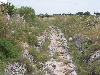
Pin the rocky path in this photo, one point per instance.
(59, 45)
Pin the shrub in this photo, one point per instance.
(2, 66)
(42, 58)
(95, 68)
(46, 15)
(34, 53)
(32, 40)
(87, 52)
(7, 49)
(44, 47)
(39, 65)
(89, 41)
(94, 47)
(38, 56)
(12, 41)
(29, 68)
(27, 63)
(2, 56)
(28, 13)
(10, 8)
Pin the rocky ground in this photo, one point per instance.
(59, 45)
(61, 65)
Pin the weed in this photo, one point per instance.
(39, 66)
(32, 40)
(87, 52)
(54, 57)
(58, 59)
(66, 61)
(61, 52)
(48, 70)
(56, 54)
(34, 53)
(27, 63)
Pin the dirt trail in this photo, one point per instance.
(58, 45)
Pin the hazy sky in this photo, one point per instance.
(4, 1)
(59, 6)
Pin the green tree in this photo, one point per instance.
(63, 14)
(28, 13)
(10, 8)
(87, 13)
(79, 13)
(46, 15)
(41, 15)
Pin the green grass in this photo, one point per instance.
(66, 61)
(58, 59)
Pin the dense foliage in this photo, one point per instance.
(32, 40)
(8, 50)
(28, 13)
(10, 8)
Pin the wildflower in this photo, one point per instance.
(23, 32)
(3, 19)
(89, 19)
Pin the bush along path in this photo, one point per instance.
(28, 54)
(60, 62)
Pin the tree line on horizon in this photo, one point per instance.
(79, 13)
(12, 9)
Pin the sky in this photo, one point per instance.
(59, 6)
(4, 1)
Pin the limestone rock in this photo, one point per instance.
(96, 54)
(15, 69)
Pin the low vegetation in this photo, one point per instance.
(40, 57)
(87, 26)
(14, 31)
(24, 26)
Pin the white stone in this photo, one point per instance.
(96, 54)
(70, 38)
(73, 73)
(12, 31)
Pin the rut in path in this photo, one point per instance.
(59, 45)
